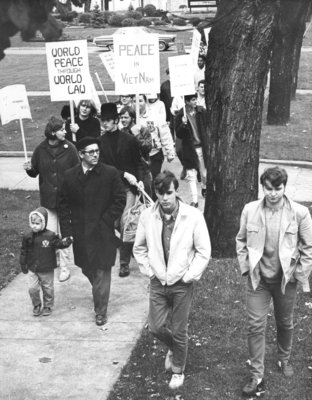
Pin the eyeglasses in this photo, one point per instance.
(85, 105)
(91, 152)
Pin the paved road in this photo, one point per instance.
(12, 176)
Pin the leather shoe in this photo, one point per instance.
(100, 320)
(124, 271)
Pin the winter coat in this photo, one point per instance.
(128, 155)
(38, 251)
(189, 245)
(51, 163)
(89, 206)
(295, 242)
(87, 127)
(185, 133)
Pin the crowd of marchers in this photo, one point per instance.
(91, 173)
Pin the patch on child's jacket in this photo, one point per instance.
(45, 243)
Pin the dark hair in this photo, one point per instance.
(163, 181)
(275, 175)
(129, 110)
(65, 112)
(201, 81)
(90, 103)
(144, 97)
(54, 124)
(189, 97)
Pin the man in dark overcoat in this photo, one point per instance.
(92, 198)
(121, 150)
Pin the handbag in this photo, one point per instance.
(132, 217)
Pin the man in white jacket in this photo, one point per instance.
(172, 247)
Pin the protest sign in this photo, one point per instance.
(195, 46)
(181, 75)
(180, 47)
(68, 68)
(14, 103)
(136, 63)
(108, 60)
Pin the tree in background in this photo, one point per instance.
(288, 38)
(26, 16)
(240, 45)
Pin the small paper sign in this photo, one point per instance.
(14, 103)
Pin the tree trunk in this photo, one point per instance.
(286, 38)
(106, 5)
(240, 45)
(87, 6)
(296, 57)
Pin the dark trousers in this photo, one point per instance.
(156, 164)
(100, 280)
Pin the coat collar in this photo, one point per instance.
(183, 209)
(288, 215)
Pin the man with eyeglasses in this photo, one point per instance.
(92, 198)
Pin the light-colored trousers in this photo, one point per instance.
(258, 307)
(44, 281)
(191, 175)
(64, 257)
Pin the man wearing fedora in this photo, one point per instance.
(92, 198)
(121, 150)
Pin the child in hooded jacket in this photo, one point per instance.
(38, 258)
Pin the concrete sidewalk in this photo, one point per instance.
(299, 187)
(65, 355)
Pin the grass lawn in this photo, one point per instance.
(217, 348)
(277, 142)
(15, 208)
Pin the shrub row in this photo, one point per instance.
(97, 18)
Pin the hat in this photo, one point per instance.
(109, 111)
(41, 213)
(86, 141)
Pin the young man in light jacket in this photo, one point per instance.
(274, 250)
(172, 247)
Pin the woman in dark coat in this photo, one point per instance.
(50, 159)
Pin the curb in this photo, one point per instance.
(289, 163)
